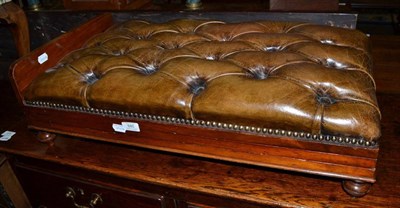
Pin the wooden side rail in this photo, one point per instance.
(28, 68)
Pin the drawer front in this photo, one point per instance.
(51, 190)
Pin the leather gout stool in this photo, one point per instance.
(288, 95)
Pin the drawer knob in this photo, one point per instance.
(71, 194)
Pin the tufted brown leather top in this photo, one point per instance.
(282, 75)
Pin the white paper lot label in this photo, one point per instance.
(131, 126)
(5, 136)
(43, 58)
(126, 126)
(119, 128)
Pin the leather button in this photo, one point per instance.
(334, 64)
(91, 78)
(259, 72)
(328, 41)
(272, 48)
(325, 100)
(117, 53)
(148, 69)
(197, 85)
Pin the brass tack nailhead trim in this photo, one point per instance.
(258, 130)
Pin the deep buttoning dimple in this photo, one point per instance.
(91, 78)
(335, 64)
(258, 72)
(197, 85)
(325, 99)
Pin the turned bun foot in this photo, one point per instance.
(356, 188)
(46, 137)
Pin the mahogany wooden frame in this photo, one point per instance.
(354, 164)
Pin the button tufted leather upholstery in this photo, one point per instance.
(282, 75)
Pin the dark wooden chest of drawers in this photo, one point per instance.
(77, 173)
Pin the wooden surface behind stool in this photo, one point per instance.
(304, 5)
(229, 180)
(18, 25)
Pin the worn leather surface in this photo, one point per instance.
(282, 75)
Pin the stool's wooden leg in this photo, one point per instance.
(15, 15)
(46, 137)
(356, 188)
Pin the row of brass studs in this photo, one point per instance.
(213, 124)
